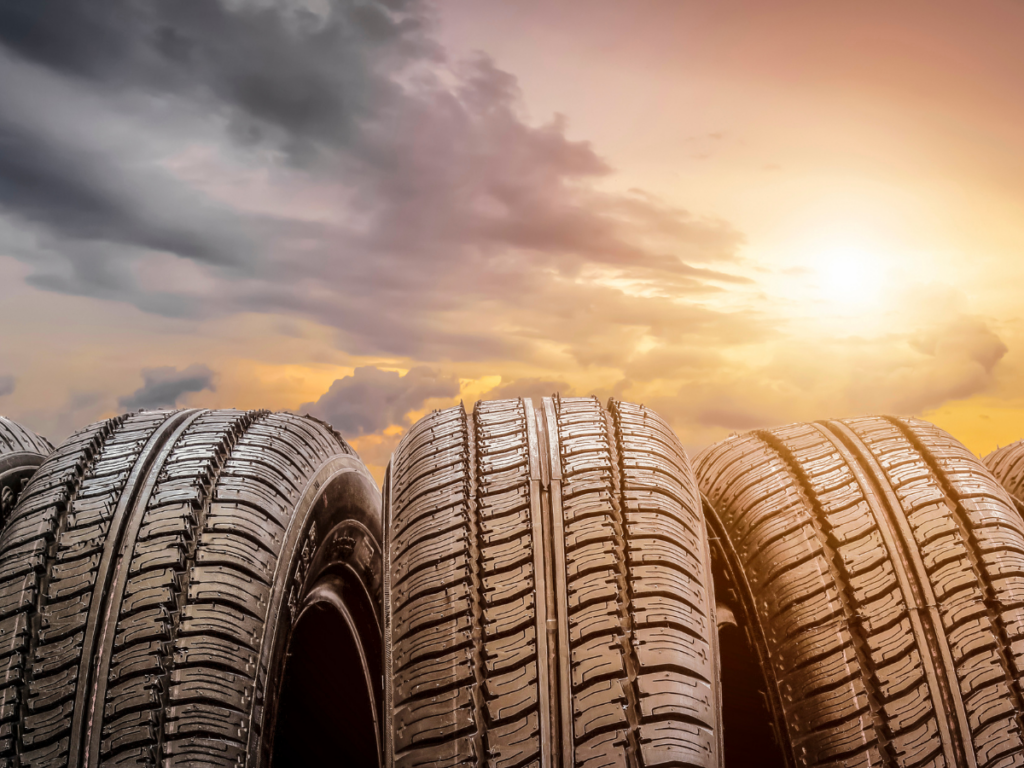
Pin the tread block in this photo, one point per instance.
(466, 594)
(896, 520)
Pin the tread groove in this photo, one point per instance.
(1012, 675)
(907, 559)
(847, 600)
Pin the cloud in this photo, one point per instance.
(376, 450)
(166, 385)
(904, 373)
(535, 388)
(370, 400)
(334, 164)
(58, 421)
(7, 385)
(281, 69)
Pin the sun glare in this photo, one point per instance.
(851, 277)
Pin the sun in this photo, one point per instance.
(849, 276)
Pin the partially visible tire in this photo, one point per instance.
(21, 453)
(548, 597)
(166, 581)
(1007, 464)
(882, 577)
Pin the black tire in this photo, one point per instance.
(547, 592)
(1007, 464)
(881, 572)
(157, 573)
(21, 453)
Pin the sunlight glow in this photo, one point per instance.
(849, 276)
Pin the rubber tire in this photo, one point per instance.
(21, 453)
(882, 572)
(598, 647)
(151, 578)
(1007, 464)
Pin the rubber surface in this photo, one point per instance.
(21, 452)
(149, 577)
(547, 594)
(1007, 464)
(884, 568)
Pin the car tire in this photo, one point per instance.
(547, 591)
(21, 453)
(880, 573)
(196, 587)
(1007, 465)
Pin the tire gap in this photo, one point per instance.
(613, 436)
(819, 523)
(960, 517)
(89, 455)
(388, 720)
(733, 575)
(108, 588)
(479, 737)
(222, 452)
(949, 705)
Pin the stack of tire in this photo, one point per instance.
(547, 584)
(563, 589)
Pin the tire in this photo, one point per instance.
(157, 573)
(1007, 464)
(547, 592)
(881, 572)
(21, 453)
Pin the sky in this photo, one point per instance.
(740, 214)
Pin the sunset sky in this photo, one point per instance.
(741, 214)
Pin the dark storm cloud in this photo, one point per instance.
(166, 385)
(87, 199)
(459, 231)
(371, 400)
(7, 385)
(310, 75)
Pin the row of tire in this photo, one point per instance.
(540, 584)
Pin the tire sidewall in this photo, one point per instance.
(333, 538)
(15, 468)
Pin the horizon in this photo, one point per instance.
(739, 216)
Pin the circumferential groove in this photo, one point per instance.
(476, 592)
(89, 456)
(213, 472)
(819, 521)
(991, 598)
(613, 436)
(906, 558)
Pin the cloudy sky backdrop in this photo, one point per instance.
(739, 213)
